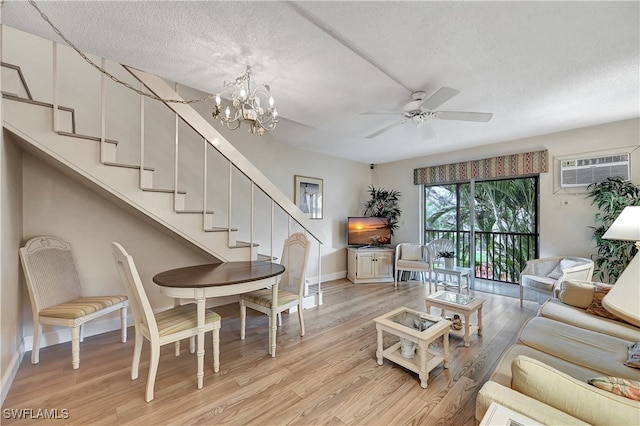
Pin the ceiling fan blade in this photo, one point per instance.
(463, 116)
(384, 129)
(441, 96)
(381, 112)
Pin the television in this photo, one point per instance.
(368, 231)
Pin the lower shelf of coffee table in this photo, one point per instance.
(393, 353)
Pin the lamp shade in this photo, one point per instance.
(626, 226)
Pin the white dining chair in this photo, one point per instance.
(169, 326)
(295, 255)
(56, 294)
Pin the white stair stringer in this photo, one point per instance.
(81, 158)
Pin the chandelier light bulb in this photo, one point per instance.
(218, 100)
(271, 101)
(227, 112)
(243, 93)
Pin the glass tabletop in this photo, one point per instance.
(415, 321)
(457, 298)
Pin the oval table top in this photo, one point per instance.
(218, 274)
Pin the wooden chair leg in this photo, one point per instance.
(216, 349)
(35, 351)
(243, 318)
(123, 323)
(153, 370)
(301, 318)
(75, 347)
(137, 351)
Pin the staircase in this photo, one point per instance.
(226, 186)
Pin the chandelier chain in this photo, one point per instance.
(105, 72)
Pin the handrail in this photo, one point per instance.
(191, 117)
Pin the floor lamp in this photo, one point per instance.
(624, 298)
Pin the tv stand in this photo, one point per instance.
(370, 264)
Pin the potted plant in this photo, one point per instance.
(384, 203)
(448, 257)
(611, 196)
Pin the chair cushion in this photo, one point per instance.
(533, 281)
(80, 307)
(411, 252)
(562, 265)
(263, 297)
(561, 391)
(182, 318)
(412, 265)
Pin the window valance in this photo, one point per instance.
(524, 164)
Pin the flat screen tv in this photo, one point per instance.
(368, 231)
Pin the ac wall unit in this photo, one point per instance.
(585, 171)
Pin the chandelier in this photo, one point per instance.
(252, 105)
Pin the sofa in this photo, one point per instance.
(571, 363)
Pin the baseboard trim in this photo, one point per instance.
(9, 374)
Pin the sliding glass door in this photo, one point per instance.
(493, 224)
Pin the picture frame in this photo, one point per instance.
(307, 194)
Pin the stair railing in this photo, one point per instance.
(212, 137)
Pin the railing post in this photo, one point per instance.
(204, 183)
(142, 181)
(103, 114)
(251, 218)
(56, 123)
(176, 141)
(229, 204)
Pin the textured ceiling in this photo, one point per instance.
(539, 67)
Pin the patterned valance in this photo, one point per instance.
(525, 164)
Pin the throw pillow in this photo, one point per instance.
(563, 264)
(596, 308)
(633, 359)
(577, 293)
(623, 387)
(413, 252)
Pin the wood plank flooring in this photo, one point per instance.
(329, 376)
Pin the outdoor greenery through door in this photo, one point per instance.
(504, 224)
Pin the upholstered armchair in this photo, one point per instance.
(545, 275)
(411, 258)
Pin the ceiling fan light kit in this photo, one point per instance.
(421, 109)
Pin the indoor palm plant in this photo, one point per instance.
(611, 196)
(384, 203)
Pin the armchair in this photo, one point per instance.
(545, 275)
(411, 258)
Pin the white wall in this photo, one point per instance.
(565, 215)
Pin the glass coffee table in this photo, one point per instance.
(416, 331)
(460, 304)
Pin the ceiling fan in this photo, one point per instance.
(421, 109)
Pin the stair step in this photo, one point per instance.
(195, 211)
(169, 191)
(243, 244)
(87, 137)
(220, 229)
(128, 166)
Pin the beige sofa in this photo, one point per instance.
(544, 375)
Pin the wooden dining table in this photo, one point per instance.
(201, 282)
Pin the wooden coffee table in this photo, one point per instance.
(450, 272)
(460, 304)
(419, 328)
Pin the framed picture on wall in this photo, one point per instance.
(307, 194)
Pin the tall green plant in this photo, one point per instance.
(611, 196)
(384, 203)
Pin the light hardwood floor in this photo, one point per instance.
(329, 376)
